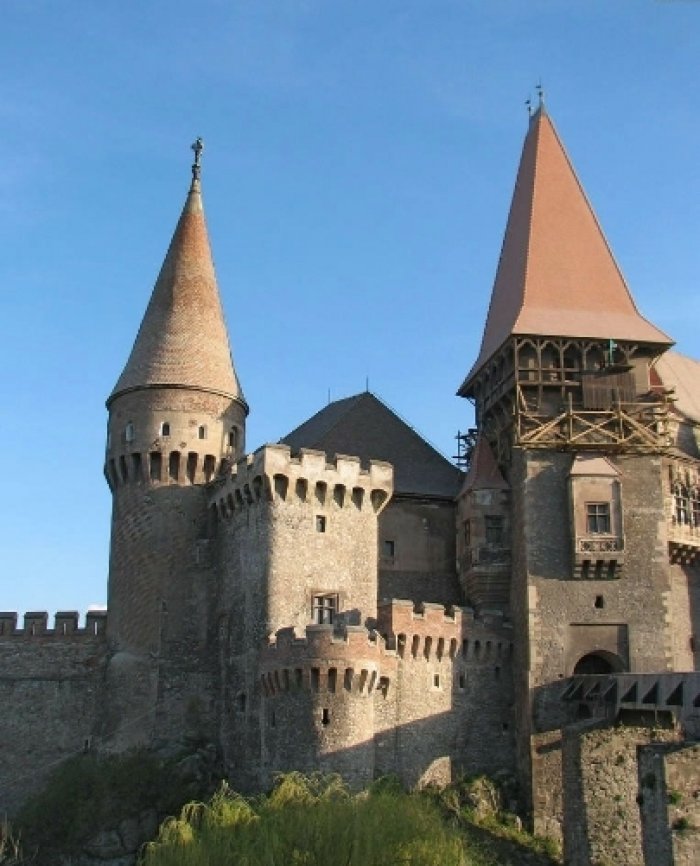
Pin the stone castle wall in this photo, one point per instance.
(50, 689)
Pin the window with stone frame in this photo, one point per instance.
(494, 529)
(695, 506)
(324, 608)
(681, 504)
(598, 518)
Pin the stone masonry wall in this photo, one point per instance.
(604, 796)
(50, 686)
(417, 551)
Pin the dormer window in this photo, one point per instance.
(165, 428)
(129, 432)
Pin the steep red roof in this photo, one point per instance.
(183, 339)
(556, 275)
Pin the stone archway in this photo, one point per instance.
(599, 662)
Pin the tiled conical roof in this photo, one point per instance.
(556, 275)
(483, 472)
(183, 340)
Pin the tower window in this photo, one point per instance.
(598, 518)
(320, 523)
(324, 609)
(494, 529)
(389, 548)
(325, 716)
(202, 432)
(233, 437)
(467, 530)
(165, 428)
(129, 432)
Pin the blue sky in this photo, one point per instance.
(360, 157)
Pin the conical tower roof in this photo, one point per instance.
(556, 275)
(483, 472)
(182, 341)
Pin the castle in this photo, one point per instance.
(350, 601)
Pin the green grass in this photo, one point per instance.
(316, 821)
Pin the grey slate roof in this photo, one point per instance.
(365, 427)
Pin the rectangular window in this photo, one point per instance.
(389, 548)
(598, 518)
(494, 529)
(320, 523)
(324, 609)
(467, 528)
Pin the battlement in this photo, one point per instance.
(65, 624)
(426, 630)
(274, 473)
(326, 660)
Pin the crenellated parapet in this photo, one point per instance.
(425, 631)
(326, 660)
(274, 474)
(66, 624)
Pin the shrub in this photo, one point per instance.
(311, 821)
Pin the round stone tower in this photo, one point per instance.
(176, 415)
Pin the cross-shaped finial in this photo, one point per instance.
(197, 147)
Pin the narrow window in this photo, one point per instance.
(695, 506)
(325, 716)
(467, 533)
(324, 609)
(389, 548)
(598, 518)
(682, 504)
(599, 601)
(165, 428)
(320, 523)
(129, 432)
(494, 529)
(462, 681)
(233, 438)
(241, 702)
(202, 432)
(436, 681)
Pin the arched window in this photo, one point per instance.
(165, 428)
(129, 432)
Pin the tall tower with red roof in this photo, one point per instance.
(176, 417)
(574, 438)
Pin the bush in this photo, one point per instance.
(311, 821)
(87, 793)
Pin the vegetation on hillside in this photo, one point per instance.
(304, 821)
(86, 794)
(316, 821)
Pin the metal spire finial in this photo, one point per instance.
(197, 147)
(540, 93)
(528, 105)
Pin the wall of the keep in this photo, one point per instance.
(423, 564)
